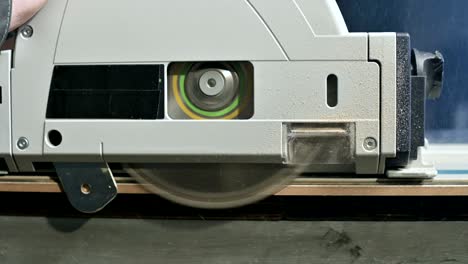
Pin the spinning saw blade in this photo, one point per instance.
(213, 186)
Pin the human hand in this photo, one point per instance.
(23, 10)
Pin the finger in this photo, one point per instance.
(23, 10)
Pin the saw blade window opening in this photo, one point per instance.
(210, 90)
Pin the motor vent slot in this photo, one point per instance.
(107, 92)
(332, 90)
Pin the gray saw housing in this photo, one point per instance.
(300, 51)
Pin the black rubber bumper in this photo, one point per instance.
(419, 77)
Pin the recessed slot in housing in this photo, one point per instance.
(332, 90)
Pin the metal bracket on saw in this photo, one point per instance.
(89, 186)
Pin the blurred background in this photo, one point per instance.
(433, 25)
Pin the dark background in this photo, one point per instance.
(44, 228)
(433, 25)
